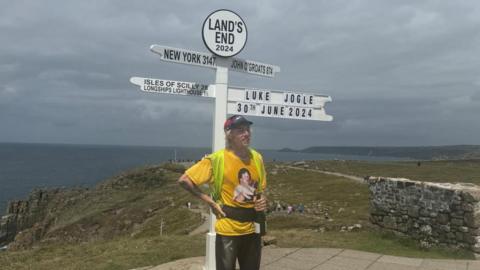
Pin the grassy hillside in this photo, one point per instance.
(416, 152)
(333, 204)
(113, 226)
(117, 224)
(467, 171)
(115, 254)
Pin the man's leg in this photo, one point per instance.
(250, 252)
(226, 249)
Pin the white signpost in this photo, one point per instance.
(277, 104)
(172, 87)
(225, 35)
(209, 60)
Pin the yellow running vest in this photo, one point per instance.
(232, 182)
(217, 160)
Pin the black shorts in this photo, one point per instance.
(246, 248)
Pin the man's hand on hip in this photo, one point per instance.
(217, 210)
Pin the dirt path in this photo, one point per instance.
(351, 177)
(203, 228)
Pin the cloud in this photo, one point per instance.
(400, 73)
(8, 90)
(476, 96)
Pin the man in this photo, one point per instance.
(237, 177)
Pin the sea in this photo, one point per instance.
(26, 166)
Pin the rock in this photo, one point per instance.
(403, 227)
(376, 210)
(424, 212)
(459, 236)
(473, 219)
(426, 229)
(269, 240)
(443, 218)
(425, 245)
(445, 228)
(457, 222)
(476, 246)
(28, 237)
(414, 211)
(23, 214)
(390, 222)
(467, 207)
(355, 227)
(471, 196)
(471, 239)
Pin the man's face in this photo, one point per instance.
(245, 179)
(241, 135)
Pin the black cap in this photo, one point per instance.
(235, 121)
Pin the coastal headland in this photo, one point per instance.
(140, 217)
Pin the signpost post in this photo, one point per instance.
(225, 35)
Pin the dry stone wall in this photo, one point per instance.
(433, 213)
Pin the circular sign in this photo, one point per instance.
(224, 33)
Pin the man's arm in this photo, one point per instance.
(188, 185)
(261, 203)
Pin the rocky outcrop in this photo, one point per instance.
(118, 206)
(433, 213)
(24, 214)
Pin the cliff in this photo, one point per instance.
(128, 204)
(24, 214)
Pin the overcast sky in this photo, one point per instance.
(400, 73)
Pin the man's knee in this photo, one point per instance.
(225, 252)
(250, 254)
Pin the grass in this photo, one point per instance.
(367, 240)
(346, 203)
(466, 171)
(116, 254)
(134, 205)
(126, 214)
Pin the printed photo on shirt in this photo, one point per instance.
(245, 190)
